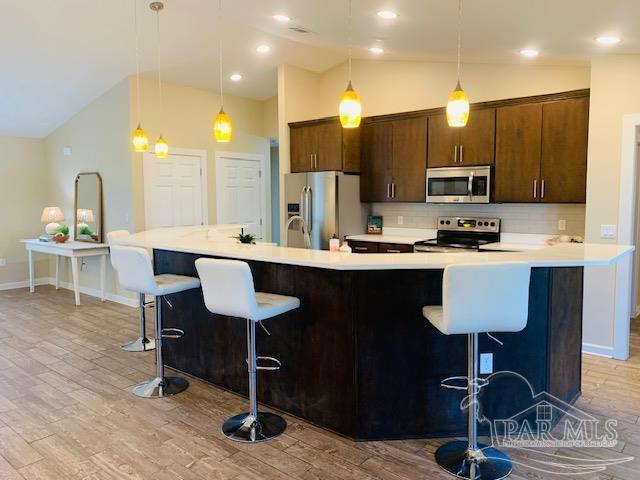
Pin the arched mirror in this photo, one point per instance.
(88, 210)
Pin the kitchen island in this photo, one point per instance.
(358, 357)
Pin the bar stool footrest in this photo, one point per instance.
(276, 363)
(172, 333)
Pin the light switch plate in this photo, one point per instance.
(400, 219)
(66, 151)
(607, 231)
(486, 363)
(562, 225)
(3, 262)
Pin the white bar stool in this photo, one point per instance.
(142, 343)
(135, 272)
(228, 290)
(479, 298)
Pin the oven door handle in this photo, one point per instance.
(470, 185)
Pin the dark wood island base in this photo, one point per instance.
(359, 358)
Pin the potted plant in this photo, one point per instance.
(246, 238)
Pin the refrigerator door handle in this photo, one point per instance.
(309, 202)
(302, 203)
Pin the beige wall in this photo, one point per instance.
(270, 117)
(389, 87)
(614, 80)
(24, 193)
(186, 123)
(99, 138)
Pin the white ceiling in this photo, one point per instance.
(57, 56)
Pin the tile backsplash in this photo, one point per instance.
(516, 218)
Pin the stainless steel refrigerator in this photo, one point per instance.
(328, 201)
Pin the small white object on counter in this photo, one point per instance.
(562, 255)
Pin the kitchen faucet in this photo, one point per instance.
(304, 228)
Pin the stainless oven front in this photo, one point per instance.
(459, 185)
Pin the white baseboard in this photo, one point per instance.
(92, 292)
(597, 350)
(24, 284)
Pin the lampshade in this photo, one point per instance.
(458, 108)
(51, 214)
(140, 140)
(162, 148)
(222, 127)
(85, 215)
(350, 108)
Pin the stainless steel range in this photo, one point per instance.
(457, 234)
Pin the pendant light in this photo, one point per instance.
(222, 126)
(162, 147)
(139, 137)
(350, 106)
(458, 105)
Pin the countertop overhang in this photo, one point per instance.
(561, 255)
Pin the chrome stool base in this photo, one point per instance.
(486, 463)
(161, 387)
(139, 345)
(247, 428)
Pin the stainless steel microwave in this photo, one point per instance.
(459, 185)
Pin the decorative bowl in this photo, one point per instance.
(59, 238)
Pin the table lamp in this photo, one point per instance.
(51, 216)
(84, 216)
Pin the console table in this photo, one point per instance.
(73, 251)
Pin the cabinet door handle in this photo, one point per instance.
(391, 250)
(361, 249)
(393, 190)
(455, 154)
(311, 160)
(388, 190)
(315, 159)
(461, 155)
(535, 188)
(542, 189)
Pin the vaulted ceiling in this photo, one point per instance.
(57, 56)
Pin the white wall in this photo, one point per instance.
(24, 192)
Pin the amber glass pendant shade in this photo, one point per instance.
(458, 108)
(350, 108)
(162, 148)
(222, 127)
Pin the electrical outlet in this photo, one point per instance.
(607, 231)
(400, 219)
(3, 262)
(562, 225)
(486, 363)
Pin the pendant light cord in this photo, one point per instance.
(220, 51)
(459, 35)
(349, 37)
(159, 73)
(135, 26)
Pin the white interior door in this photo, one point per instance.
(173, 193)
(240, 191)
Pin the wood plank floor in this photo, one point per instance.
(66, 411)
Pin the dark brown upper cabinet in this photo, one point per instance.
(322, 145)
(541, 152)
(565, 131)
(518, 147)
(465, 146)
(394, 160)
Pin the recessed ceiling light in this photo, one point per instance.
(608, 39)
(263, 48)
(282, 18)
(235, 77)
(529, 52)
(376, 50)
(387, 14)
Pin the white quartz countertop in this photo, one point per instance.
(562, 255)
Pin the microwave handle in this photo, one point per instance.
(470, 185)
